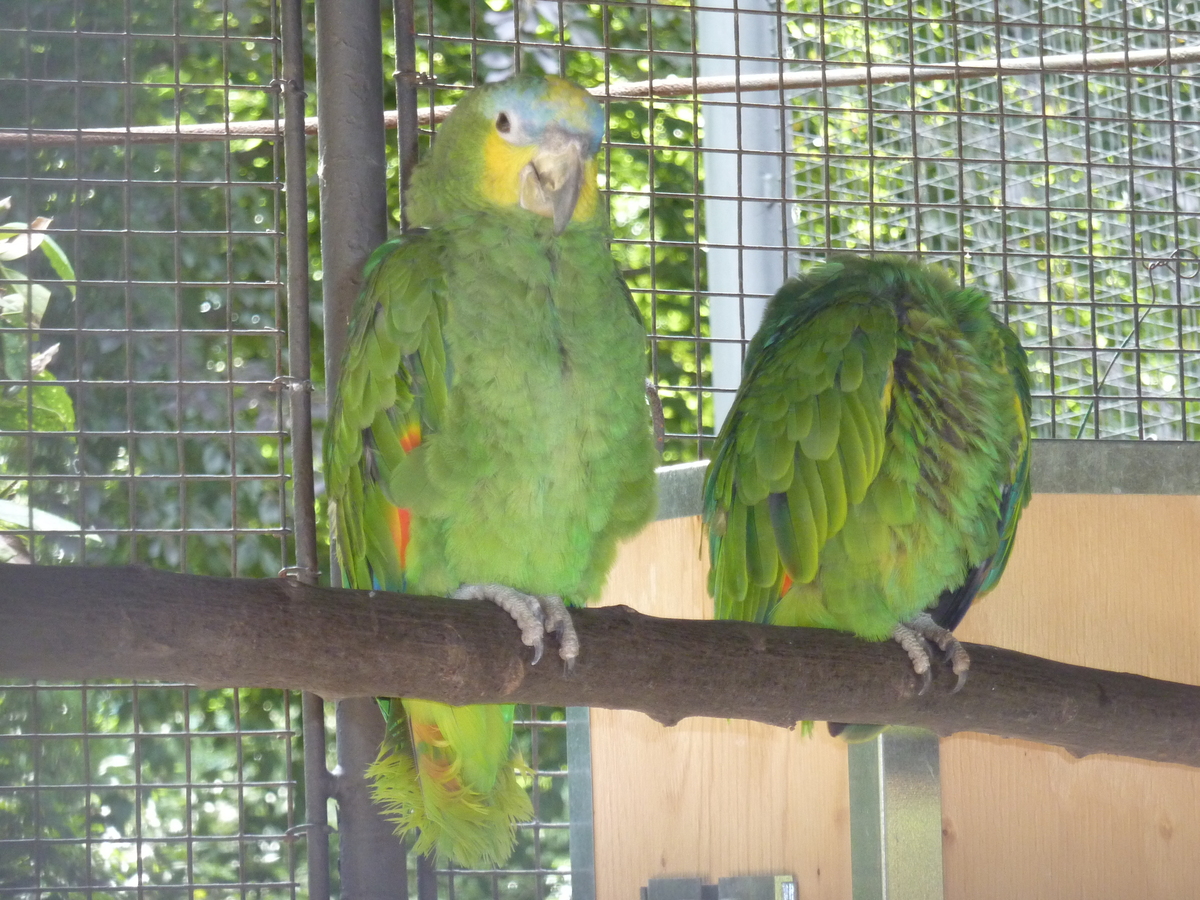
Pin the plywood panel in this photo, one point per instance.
(708, 798)
(1106, 581)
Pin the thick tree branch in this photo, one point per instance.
(77, 623)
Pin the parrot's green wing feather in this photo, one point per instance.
(803, 442)
(876, 459)
(392, 392)
(443, 771)
(1015, 494)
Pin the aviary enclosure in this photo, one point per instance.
(171, 292)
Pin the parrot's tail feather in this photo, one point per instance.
(461, 815)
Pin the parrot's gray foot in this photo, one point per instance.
(915, 637)
(535, 615)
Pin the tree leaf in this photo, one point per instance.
(20, 515)
(39, 361)
(33, 298)
(20, 239)
(13, 550)
(58, 259)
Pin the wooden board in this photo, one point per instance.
(709, 797)
(1103, 581)
(1106, 581)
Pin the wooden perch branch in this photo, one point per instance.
(79, 623)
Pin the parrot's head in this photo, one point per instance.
(526, 143)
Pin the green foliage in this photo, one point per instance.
(169, 352)
(31, 403)
(158, 765)
(1025, 186)
(162, 436)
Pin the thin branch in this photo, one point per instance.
(69, 623)
(663, 88)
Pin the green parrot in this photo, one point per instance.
(871, 472)
(490, 437)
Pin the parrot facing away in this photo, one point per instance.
(871, 472)
(490, 436)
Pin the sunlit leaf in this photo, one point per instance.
(59, 262)
(26, 298)
(39, 361)
(15, 243)
(20, 515)
(14, 551)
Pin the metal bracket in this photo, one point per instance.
(896, 816)
(741, 887)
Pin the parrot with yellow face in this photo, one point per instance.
(490, 436)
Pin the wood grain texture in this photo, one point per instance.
(1107, 581)
(708, 797)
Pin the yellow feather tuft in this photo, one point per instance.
(440, 811)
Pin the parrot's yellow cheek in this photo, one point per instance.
(502, 167)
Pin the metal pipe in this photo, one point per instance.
(317, 782)
(744, 192)
(352, 177)
(372, 859)
(406, 78)
(808, 78)
(304, 521)
(351, 169)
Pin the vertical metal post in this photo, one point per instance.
(353, 188)
(896, 817)
(579, 792)
(316, 778)
(406, 78)
(744, 192)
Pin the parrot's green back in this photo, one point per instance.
(875, 461)
(490, 427)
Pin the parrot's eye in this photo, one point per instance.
(503, 125)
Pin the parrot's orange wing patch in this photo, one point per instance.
(400, 522)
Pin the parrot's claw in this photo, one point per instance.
(535, 615)
(915, 637)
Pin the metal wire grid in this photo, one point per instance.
(171, 449)
(1070, 196)
(119, 790)
(540, 865)
(172, 346)
(1062, 192)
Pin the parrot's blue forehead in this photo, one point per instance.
(541, 102)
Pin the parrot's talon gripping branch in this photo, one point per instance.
(535, 615)
(558, 621)
(915, 637)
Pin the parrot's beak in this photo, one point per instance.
(551, 182)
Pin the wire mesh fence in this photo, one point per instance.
(143, 335)
(142, 332)
(120, 790)
(1068, 194)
